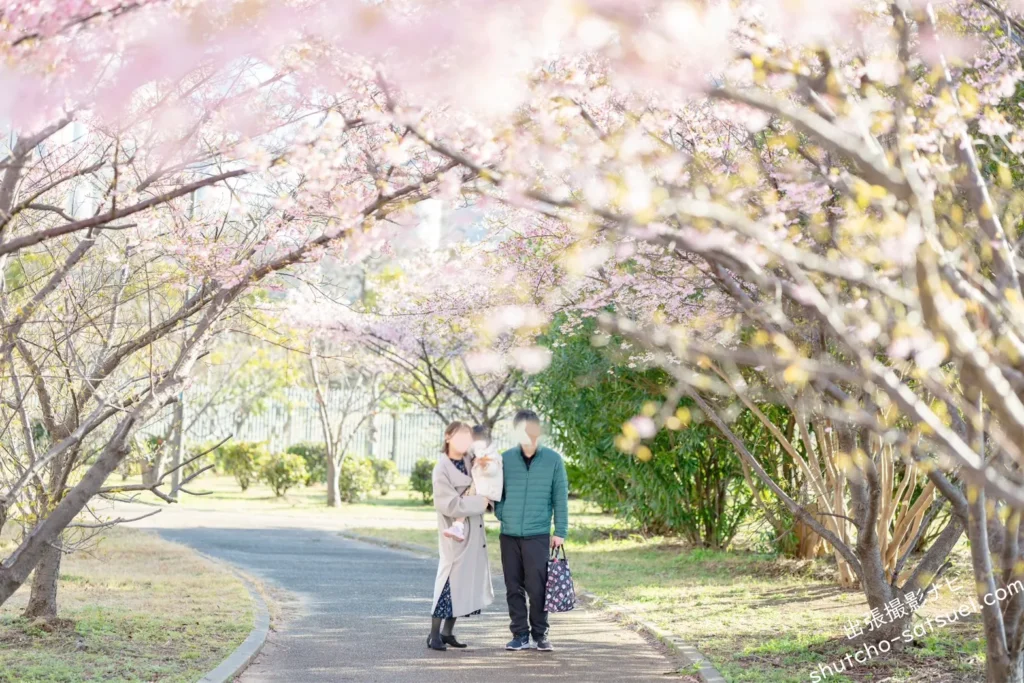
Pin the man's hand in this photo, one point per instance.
(556, 542)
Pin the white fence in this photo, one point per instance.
(403, 437)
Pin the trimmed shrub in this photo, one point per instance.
(283, 471)
(209, 456)
(355, 480)
(315, 457)
(384, 474)
(242, 460)
(422, 479)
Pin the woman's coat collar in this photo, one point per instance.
(454, 474)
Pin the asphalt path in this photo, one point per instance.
(361, 613)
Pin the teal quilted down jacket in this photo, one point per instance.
(533, 495)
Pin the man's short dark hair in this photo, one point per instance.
(525, 416)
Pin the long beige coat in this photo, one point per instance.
(464, 563)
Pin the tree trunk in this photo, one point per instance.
(1004, 669)
(394, 436)
(809, 545)
(42, 602)
(371, 438)
(16, 568)
(891, 631)
(178, 446)
(333, 493)
(154, 472)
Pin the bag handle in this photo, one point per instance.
(554, 553)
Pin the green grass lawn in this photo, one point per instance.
(401, 506)
(133, 608)
(221, 492)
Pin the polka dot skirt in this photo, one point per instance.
(444, 604)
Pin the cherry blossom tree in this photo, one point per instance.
(413, 327)
(119, 272)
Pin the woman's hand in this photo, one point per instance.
(483, 461)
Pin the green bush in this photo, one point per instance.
(422, 479)
(384, 474)
(693, 486)
(242, 460)
(283, 471)
(315, 457)
(208, 457)
(355, 480)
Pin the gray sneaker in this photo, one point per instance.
(544, 645)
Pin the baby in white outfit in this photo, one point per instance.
(488, 477)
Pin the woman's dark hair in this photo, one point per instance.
(481, 433)
(450, 430)
(525, 416)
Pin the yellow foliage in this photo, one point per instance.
(956, 214)
(968, 100)
(972, 494)
(1005, 177)
(1008, 349)
(795, 375)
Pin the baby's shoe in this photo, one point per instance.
(456, 531)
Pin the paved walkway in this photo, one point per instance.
(362, 614)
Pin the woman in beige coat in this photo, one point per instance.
(463, 584)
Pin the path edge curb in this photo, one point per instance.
(694, 657)
(703, 666)
(242, 656)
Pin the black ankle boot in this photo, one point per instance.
(447, 636)
(450, 640)
(434, 641)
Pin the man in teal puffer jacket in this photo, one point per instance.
(536, 489)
